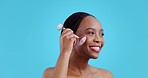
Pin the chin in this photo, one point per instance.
(94, 57)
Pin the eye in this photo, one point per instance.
(101, 34)
(90, 33)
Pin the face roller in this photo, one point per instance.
(60, 27)
(82, 40)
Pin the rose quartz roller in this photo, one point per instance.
(82, 40)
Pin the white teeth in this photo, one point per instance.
(96, 48)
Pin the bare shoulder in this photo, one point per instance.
(102, 73)
(106, 73)
(47, 73)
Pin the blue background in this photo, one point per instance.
(29, 41)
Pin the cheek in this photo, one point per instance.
(89, 40)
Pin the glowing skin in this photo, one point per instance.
(73, 59)
(93, 31)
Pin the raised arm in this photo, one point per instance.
(67, 40)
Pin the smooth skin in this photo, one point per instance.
(73, 58)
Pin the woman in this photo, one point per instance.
(73, 58)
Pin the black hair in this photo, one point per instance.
(74, 20)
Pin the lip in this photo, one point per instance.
(95, 46)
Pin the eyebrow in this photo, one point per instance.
(92, 29)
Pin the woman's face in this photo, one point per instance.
(91, 28)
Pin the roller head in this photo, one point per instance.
(82, 41)
(60, 27)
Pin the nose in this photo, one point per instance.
(97, 39)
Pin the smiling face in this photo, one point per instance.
(92, 30)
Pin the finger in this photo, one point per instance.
(73, 39)
(71, 36)
(65, 31)
(69, 32)
(74, 36)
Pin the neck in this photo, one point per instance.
(78, 65)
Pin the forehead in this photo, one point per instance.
(89, 22)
